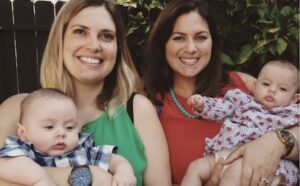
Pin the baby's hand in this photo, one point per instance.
(124, 176)
(197, 102)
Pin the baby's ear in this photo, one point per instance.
(296, 98)
(253, 88)
(21, 132)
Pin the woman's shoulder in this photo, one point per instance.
(141, 101)
(240, 80)
(142, 109)
(248, 79)
(12, 102)
(10, 115)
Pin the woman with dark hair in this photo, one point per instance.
(87, 58)
(182, 58)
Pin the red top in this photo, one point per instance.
(186, 136)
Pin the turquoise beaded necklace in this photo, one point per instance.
(180, 107)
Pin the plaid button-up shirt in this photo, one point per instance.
(84, 154)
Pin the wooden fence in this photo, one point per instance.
(24, 28)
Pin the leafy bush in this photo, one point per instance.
(252, 31)
(255, 31)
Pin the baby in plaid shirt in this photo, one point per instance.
(49, 135)
(274, 106)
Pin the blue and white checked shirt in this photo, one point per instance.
(83, 154)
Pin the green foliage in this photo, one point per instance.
(252, 31)
(255, 31)
(141, 16)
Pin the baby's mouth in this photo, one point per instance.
(59, 146)
(269, 98)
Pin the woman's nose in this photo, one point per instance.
(191, 47)
(94, 43)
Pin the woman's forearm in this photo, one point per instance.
(5, 183)
(61, 175)
(294, 155)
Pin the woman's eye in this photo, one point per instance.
(107, 37)
(200, 38)
(79, 31)
(178, 38)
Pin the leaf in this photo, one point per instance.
(297, 17)
(272, 49)
(265, 21)
(281, 46)
(286, 10)
(226, 59)
(245, 54)
(262, 9)
(275, 12)
(295, 32)
(273, 30)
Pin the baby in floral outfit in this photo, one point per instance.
(273, 106)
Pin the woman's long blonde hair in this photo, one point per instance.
(122, 81)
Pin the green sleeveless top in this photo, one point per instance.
(119, 131)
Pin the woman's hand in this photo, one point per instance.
(260, 159)
(214, 179)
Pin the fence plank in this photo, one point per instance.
(44, 16)
(26, 42)
(58, 6)
(8, 71)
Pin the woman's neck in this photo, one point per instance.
(184, 86)
(86, 101)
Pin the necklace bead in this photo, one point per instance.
(180, 107)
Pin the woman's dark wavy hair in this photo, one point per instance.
(158, 76)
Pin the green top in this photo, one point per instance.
(119, 131)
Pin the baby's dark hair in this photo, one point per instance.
(41, 93)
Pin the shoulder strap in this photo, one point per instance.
(130, 106)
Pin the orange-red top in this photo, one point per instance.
(186, 136)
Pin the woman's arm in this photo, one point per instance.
(61, 175)
(12, 171)
(261, 157)
(10, 116)
(248, 80)
(294, 155)
(149, 128)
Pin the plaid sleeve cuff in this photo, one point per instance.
(14, 147)
(100, 155)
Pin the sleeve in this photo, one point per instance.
(14, 147)
(100, 155)
(220, 108)
(290, 116)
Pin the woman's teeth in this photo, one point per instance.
(189, 61)
(90, 60)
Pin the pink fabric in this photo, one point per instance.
(245, 120)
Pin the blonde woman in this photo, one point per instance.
(87, 57)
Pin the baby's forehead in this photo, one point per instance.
(290, 69)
